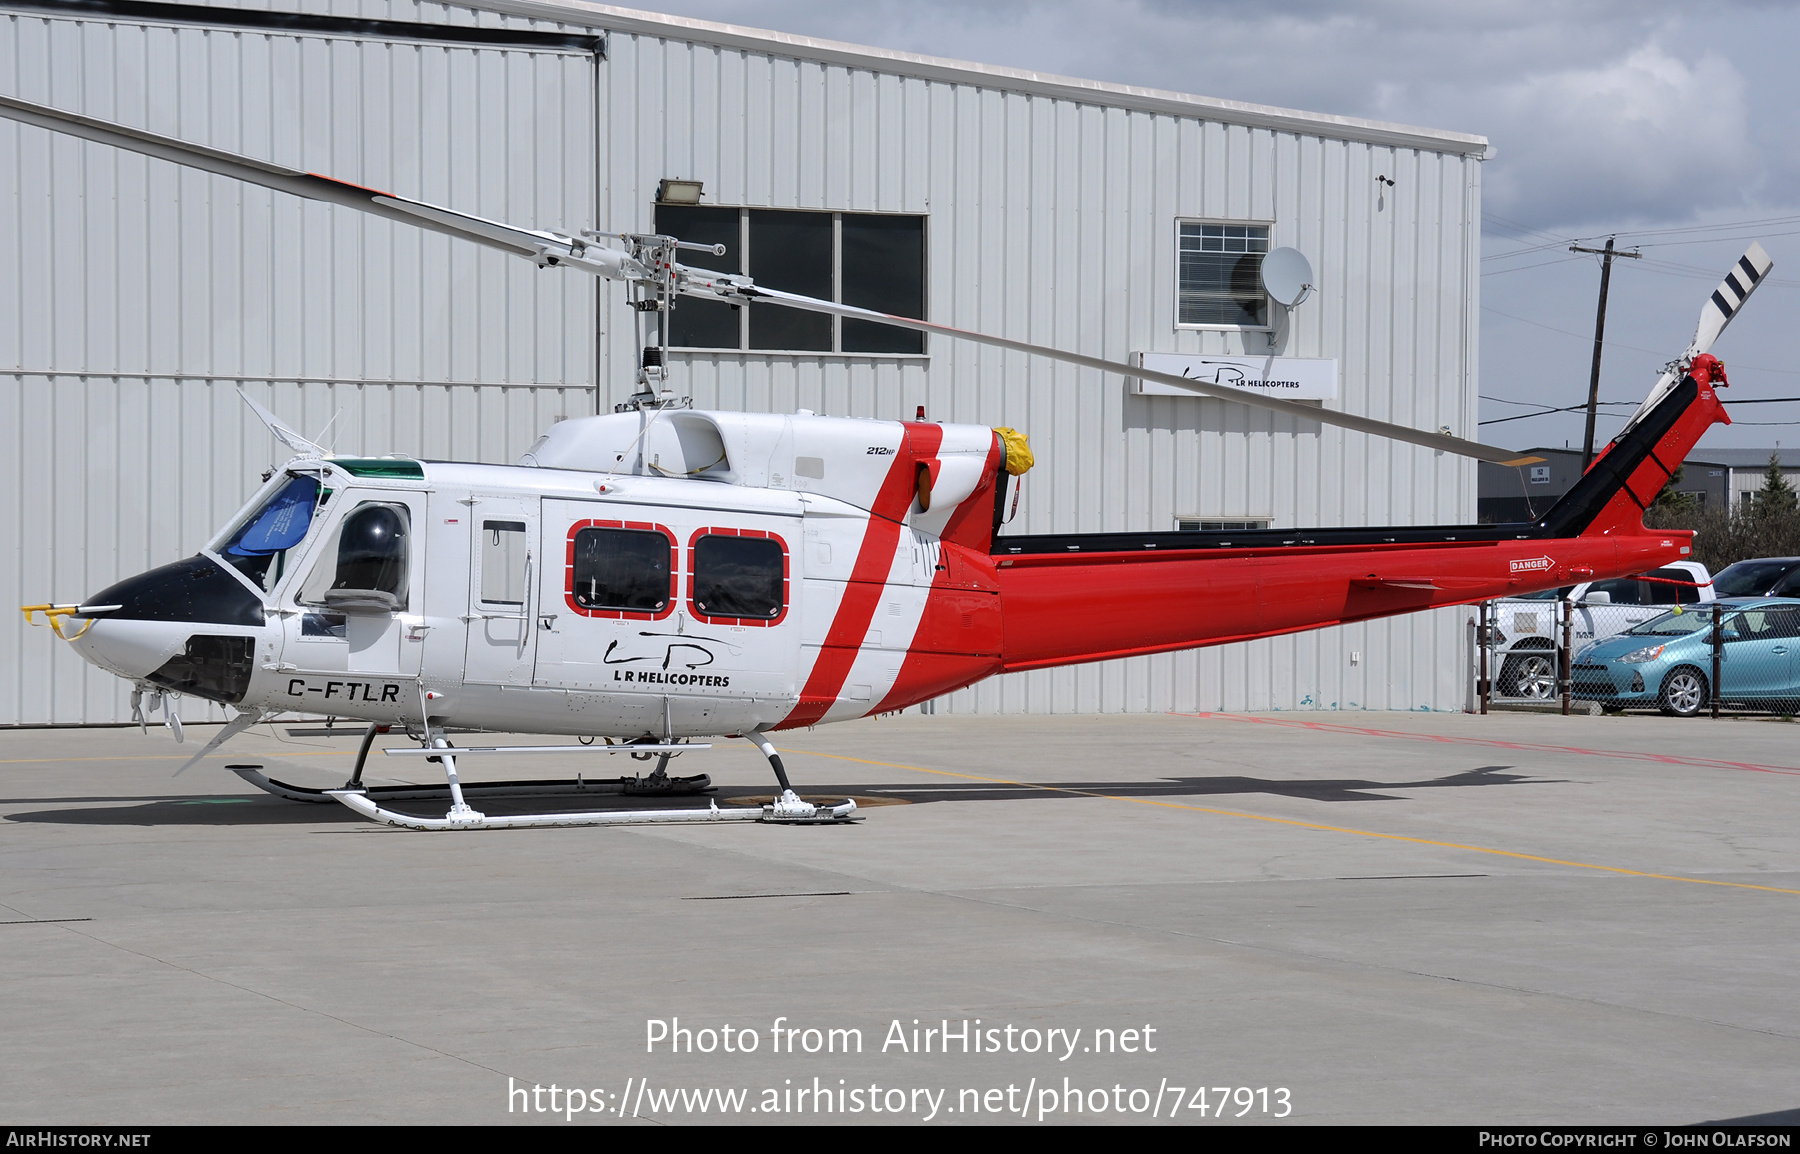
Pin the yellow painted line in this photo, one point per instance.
(1309, 825)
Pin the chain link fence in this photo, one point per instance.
(1720, 656)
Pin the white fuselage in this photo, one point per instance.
(511, 615)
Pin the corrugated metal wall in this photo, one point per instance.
(1048, 219)
(1054, 221)
(136, 298)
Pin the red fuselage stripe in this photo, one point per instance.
(868, 578)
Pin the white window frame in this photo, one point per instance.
(1269, 306)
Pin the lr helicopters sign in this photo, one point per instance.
(1291, 378)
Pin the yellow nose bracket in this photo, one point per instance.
(53, 615)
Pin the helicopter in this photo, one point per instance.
(662, 574)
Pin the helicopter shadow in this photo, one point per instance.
(199, 810)
(213, 810)
(1311, 789)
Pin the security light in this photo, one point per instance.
(678, 191)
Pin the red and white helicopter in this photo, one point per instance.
(663, 574)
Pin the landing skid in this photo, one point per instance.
(820, 815)
(786, 809)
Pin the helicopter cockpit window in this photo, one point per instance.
(621, 569)
(739, 576)
(364, 567)
(260, 546)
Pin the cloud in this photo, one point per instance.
(1648, 137)
(1592, 118)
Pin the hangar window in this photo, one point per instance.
(1202, 525)
(1219, 274)
(870, 260)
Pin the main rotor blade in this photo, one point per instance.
(519, 241)
(1439, 441)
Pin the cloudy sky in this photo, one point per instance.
(1675, 126)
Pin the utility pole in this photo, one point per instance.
(1593, 405)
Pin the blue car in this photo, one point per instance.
(1667, 662)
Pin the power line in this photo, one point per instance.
(1622, 345)
(1510, 401)
(1528, 416)
(1723, 225)
(1579, 408)
(1716, 239)
(1523, 267)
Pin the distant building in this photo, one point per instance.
(1716, 477)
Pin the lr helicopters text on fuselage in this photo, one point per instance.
(662, 573)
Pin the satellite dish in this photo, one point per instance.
(1287, 276)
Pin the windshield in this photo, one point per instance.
(260, 547)
(1672, 625)
(1750, 578)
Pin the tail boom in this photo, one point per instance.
(1078, 598)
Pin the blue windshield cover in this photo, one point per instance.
(280, 524)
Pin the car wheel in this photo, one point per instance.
(1531, 675)
(1683, 692)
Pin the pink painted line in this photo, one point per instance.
(1528, 747)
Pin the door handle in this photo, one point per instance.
(546, 620)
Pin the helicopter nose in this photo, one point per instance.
(155, 627)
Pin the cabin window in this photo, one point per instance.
(503, 562)
(740, 576)
(1219, 275)
(363, 565)
(620, 569)
(870, 260)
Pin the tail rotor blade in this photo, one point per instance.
(1729, 297)
(1725, 302)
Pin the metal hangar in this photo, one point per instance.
(139, 298)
